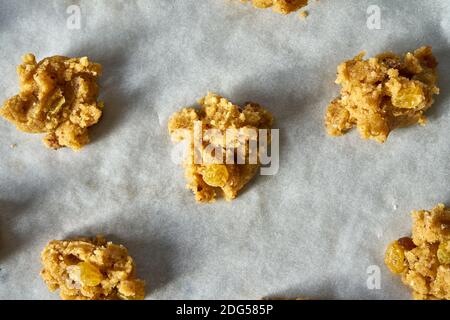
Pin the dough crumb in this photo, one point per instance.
(280, 6)
(423, 261)
(58, 96)
(304, 14)
(383, 93)
(216, 117)
(90, 269)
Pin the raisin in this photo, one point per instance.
(395, 257)
(406, 243)
(90, 276)
(408, 98)
(215, 175)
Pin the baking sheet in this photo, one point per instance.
(313, 230)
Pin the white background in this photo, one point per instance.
(312, 230)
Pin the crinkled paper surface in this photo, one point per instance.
(312, 230)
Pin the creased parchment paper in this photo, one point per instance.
(313, 230)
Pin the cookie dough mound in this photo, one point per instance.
(423, 261)
(383, 93)
(58, 96)
(217, 113)
(281, 6)
(90, 270)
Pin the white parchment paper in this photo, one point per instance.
(312, 230)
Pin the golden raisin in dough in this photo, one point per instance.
(206, 178)
(58, 96)
(423, 261)
(90, 270)
(215, 175)
(90, 276)
(395, 257)
(383, 93)
(281, 6)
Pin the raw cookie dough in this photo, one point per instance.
(91, 270)
(383, 93)
(58, 96)
(218, 113)
(423, 261)
(280, 6)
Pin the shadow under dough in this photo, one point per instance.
(11, 240)
(153, 257)
(113, 87)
